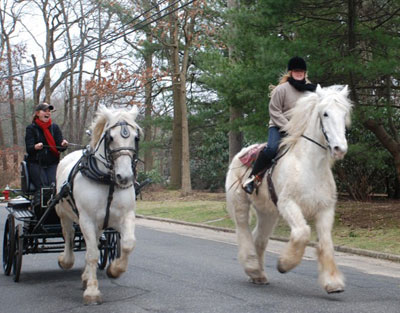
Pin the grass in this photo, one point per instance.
(349, 229)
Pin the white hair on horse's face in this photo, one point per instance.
(106, 117)
(311, 105)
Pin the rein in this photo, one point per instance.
(317, 143)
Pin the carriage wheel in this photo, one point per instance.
(8, 244)
(103, 249)
(19, 243)
(114, 245)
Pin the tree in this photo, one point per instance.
(6, 31)
(358, 45)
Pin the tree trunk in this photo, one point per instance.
(387, 141)
(235, 113)
(2, 147)
(186, 187)
(235, 136)
(176, 159)
(148, 90)
(11, 100)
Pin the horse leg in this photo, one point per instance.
(66, 258)
(128, 243)
(299, 235)
(330, 277)
(239, 210)
(92, 294)
(265, 225)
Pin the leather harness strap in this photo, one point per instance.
(88, 167)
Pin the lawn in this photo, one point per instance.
(371, 225)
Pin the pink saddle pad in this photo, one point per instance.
(250, 156)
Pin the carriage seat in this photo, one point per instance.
(27, 186)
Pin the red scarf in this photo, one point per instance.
(47, 134)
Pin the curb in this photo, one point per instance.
(356, 251)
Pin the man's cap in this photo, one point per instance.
(43, 107)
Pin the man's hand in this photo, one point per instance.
(39, 146)
(64, 143)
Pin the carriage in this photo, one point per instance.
(97, 188)
(33, 227)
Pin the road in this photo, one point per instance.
(178, 268)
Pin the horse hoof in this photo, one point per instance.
(332, 290)
(92, 300)
(110, 273)
(64, 266)
(259, 281)
(280, 268)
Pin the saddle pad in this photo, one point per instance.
(250, 156)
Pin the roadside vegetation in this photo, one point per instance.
(372, 225)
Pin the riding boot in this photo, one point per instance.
(262, 164)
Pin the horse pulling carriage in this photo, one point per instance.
(32, 228)
(92, 206)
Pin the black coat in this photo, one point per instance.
(33, 135)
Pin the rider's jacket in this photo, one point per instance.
(33, 135)
(283, 98)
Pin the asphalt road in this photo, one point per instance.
(186, 269)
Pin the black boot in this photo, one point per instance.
(249, 185)
(262, 164)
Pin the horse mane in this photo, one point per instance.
(112, 115)
(307, 108)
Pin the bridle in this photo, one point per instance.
(110, 155)
(325, 135)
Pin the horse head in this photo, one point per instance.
(115, 138)
(321, 116)
(334, 109)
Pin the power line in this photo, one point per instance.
(91, 46)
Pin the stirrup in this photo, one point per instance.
(251, 183)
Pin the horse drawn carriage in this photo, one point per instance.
(92, 206)
(33, 226)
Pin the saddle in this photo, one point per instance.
(250, 156)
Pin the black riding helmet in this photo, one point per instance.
(297, 63)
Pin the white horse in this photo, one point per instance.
(112, 149)
(304, 185)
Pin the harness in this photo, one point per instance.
(87, 165)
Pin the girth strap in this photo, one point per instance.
(271, 188)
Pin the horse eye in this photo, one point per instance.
(110, 138)
(325, 114)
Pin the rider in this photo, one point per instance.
(44, 142)
(291, 87)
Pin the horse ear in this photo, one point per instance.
(345, 91)
(134, 111)
(319, 90)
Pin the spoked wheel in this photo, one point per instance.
(8, 244)
(103, 249)
(19, 243)
(114, 245)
